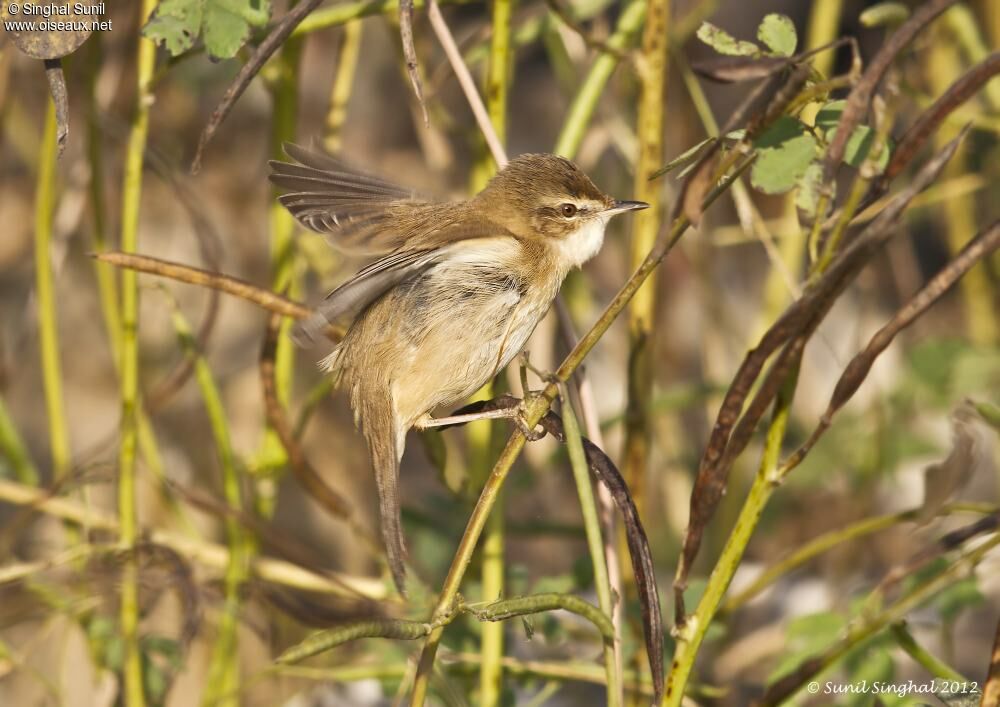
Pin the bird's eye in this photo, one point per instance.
(568, 210)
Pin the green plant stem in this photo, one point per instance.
(651, 67)
(498, 77)
(133, 691)
(651, 64)
(343, 84)
(223, 670)
(13, 448)
(595, 543)
(830, 540)
(284, 85)
(763, 486)
(582, 109)
(931, 663)
(48, 323)
(959, 214)
(105, 273)
(824, 25)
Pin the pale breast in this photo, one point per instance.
(441, 336)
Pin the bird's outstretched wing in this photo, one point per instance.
(357, 212)
(364, 214)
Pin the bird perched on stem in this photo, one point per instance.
(456, 293)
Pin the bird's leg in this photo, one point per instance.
(427, 422)
(526, 365)
(529, 394)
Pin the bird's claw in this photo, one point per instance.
(520, 420)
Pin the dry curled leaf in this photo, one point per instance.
(945, 478)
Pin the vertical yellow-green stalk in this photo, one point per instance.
(592, 87)
(222, 687)
(943, 67)
(824, 23)
(481, 435)
(592, 527)
(128, 521)
(760, 493)
(991, 15)
(284, 90)
(48, 324)
(343, 84)
(651, 67)
(107, 286)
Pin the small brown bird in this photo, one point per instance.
(457, 293)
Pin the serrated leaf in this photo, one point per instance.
(224, 31)
(223, 25)
(777, 32)
(175, 25)
(784, 153)
(721, 41)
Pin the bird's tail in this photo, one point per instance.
(385, 444)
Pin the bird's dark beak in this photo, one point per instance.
(619, 207)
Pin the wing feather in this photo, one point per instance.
(362, 213)
(357, 212)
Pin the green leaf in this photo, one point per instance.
(784, 153)
(859, 145)
(224, 25)
(777, 32)
(962, 595)
(829, 115)
(175, 25)
(807, 636)
(224, 31)
(807, 196)
(721, 41)
(990, 413)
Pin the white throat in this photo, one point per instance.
(583, 244)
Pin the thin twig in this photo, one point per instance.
(410, 54)
(254, 64)
(466, 81)
(260, 296)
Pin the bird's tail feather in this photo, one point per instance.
(386, 447)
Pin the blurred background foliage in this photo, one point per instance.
(911, 457)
